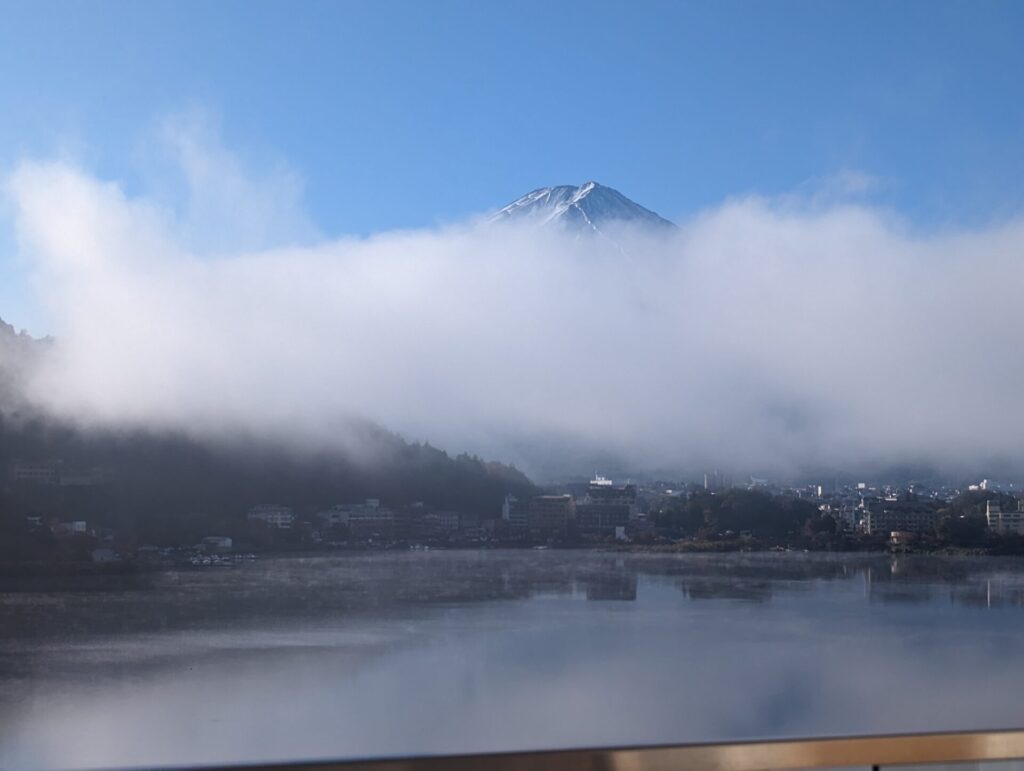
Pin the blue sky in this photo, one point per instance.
(409, 114)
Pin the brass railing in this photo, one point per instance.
(868, 751)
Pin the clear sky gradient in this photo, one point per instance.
(408, 114)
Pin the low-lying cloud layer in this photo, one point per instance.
(763, 336)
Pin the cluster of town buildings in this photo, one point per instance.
(599, 508)
(907, 512)
(603, 509)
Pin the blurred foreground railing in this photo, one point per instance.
(865, 752)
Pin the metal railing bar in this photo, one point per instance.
(864, 751)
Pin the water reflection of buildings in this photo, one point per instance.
(612, 586)
(753, 577)
(991, 593)
(908, 580)
(922, 579)
(712, 589)
(893, 582)
(351, 586)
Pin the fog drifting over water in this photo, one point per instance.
(765, 335)
(409, 653)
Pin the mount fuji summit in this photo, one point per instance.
(587, 208)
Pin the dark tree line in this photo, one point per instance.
(736, 511)
(171, 488)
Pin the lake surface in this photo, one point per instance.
(460, 651)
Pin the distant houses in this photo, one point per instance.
(599, 508)
(598, 511)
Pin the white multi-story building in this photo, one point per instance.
(273, 515)
(216, 543)
(515, 512)
(56, 472)
(336, 515)
(1004, 522)
(345, 513)
(43, 473)
(371, 520)
(363, 520)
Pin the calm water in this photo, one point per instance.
(431, 652)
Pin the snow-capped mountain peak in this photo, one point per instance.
(588, 207)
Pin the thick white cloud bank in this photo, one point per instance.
(763, 336)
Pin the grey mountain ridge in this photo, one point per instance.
(18, 353)
(589, 207)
